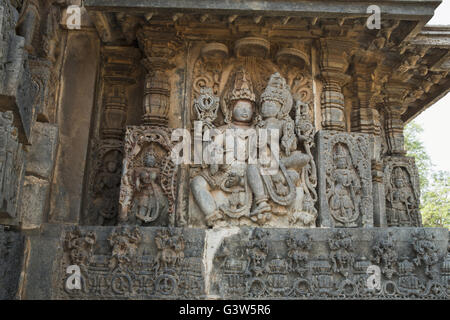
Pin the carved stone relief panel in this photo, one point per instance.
(345, 181)
(149, 178)
(104, 182)
(250, 92)
(128, 262)
(401, 181)
(258, 196)
(331, 264)
(133, 263)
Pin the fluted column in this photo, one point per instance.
(366, 119)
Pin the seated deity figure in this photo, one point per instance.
(401, 201)
(230, 178)
(149, 202)
(344, 194)
(250, 188)
(280, 188)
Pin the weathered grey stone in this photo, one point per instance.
(17, 91)
(331, 264)
(11, 259)
(74, 118)
(296, 66)
(401, 181)
(34, 201)
(328, 9)
(41, 155)
(345, 179)
(41, 70)
(238, 263)
(11, 169)
(167, 263)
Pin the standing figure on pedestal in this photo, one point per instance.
(402, 205)
(107, 187)
(149, 201)
(344, 193)
(276, 104)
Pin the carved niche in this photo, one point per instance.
(148, 185)
(401, 181)
(345, 181)
(253, 93)
(106, 149)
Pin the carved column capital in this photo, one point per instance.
(334, 60)
(119, 71)
(120, 64)
(335, 54)
(395, 106)
(396, 92)
(365, 117)
(159, 49)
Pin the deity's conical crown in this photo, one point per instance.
(277, 90)
(243, 88)
(398, 173)
(340, 153)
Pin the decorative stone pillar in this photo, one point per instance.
(119, 68)
(148, 187)
(333, 64)
(340, 153)
(365, 118)
(158, 51)
(395, 107)
(17, 91)
(401, 178)
(115, 107)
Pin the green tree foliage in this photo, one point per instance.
(416, 149)
(435, 207)
(435, 186)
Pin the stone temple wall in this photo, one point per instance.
(96, 100)
(247, 263)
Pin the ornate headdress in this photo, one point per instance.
(339, 153)
(398, 173)
(278, 90)
(206, 105)
(242, 90)
(149, 159)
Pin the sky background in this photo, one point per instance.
(436, 119)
